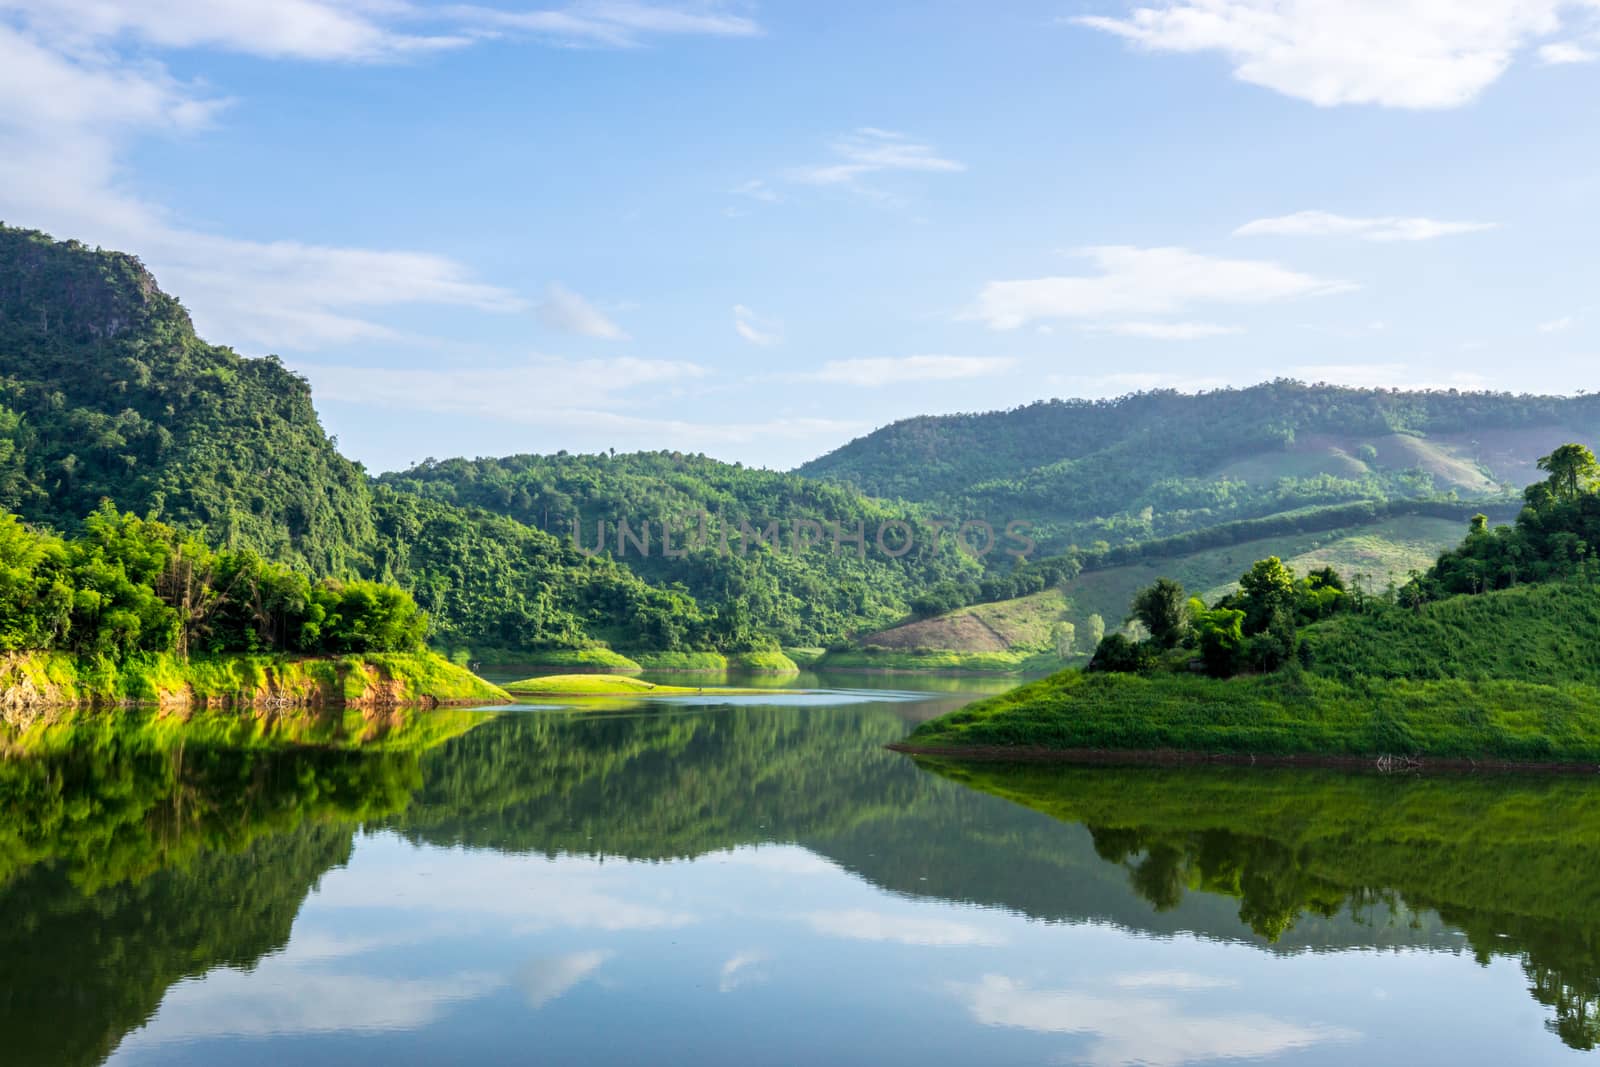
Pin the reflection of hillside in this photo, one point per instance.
(81, 971)
(1508, 861)
(129, 798)
(660, 784)
(138, 856)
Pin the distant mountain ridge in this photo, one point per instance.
(1161, 463)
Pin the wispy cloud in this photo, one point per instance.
(618, 24)
(1393, 53)
(1387, 376)
(568, 312)
(545, 979)
(1144, 281)
(1560, 325)
(877, 372)
(869, 150)
(1561, 53)
(862, 925)
(80, 83)
(1155, 1031)
(1380, 228)
(754, 328)
(1170, 331)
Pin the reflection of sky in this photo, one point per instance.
(774, 954)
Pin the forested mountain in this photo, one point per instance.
(1162, 463)
(810, 591)
(106, 392)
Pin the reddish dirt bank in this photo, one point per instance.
(1170, 757)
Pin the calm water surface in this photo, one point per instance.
(763, 882)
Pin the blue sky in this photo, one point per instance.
(760, 229)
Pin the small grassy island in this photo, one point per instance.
(612, 685)
(1492, 657)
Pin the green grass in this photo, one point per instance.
(762, 662)
(1290, 713)
(608, 685)
(1384, 550)
(1548, 634)
(874, 659)
(805, 657)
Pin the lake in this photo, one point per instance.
(761, 881)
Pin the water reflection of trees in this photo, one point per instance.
(1508, 861)
(134, 859)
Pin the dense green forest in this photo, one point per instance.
(815, 590)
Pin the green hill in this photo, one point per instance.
(797, 594)
(105, 391)
(1160, 463)
(1313, 667)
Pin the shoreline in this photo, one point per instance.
(1383, 763)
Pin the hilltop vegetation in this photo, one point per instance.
(106, 393)
(1317, 665)
(823, 579)
(1161, 463)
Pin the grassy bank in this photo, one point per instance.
(877, 659)
(1290, 713)
(33, 682)
(718, 662)
(610, 685)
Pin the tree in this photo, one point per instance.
(1573, 471)
(1265, 590)
(1097, 630)
(1065, 637)
(1163, 608)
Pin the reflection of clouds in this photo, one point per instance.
(279, 998)
(1138, 1030)
(739, 971)
(543, 980)
(858, 924)
(1172, 980)
(779, 859)
(526, 895)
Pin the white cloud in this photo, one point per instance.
(754, 328)
(1144, 281)
(593, 402)
(1170, 331)
(299, 29)
(1559, 53)
(1557, 325)
(1172, 980)
(78, 86)
(569, 312)
(1382, 228)
(327, 30)
(862, 925)
(871, 151)
(873, 373)
(500, 392)
(1154, 1032)
(1394, 53)
(612, 23)
(281, 997)
(543, 980)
